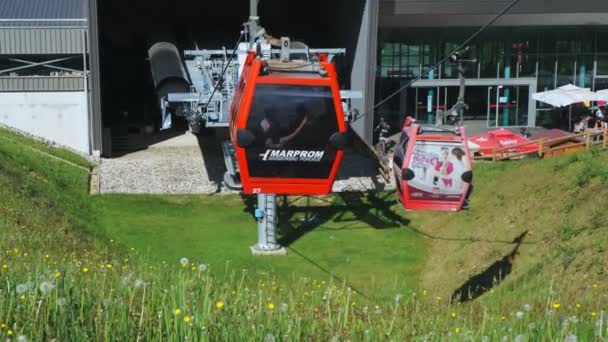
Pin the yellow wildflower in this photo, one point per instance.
(3, 325)
(85, 270)
(22, 297)
(578, 306)
(219, 304)
(5, 266)
(556, 306)
(25, 254)
(594, 286)
(109, 266)
(503, 318)
(187, 319)
(270, 306)
(593, 314)
(424, 293)
(457, 330)
(453, 314)
(46, 256)
(178, 312)
(9, 332)
(57, 274)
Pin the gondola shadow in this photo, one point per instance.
(491, 277)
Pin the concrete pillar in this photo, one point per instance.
(363, 75)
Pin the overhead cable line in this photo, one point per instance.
(456, 51)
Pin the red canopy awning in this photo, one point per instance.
(501, 138)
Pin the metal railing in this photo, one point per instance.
(550, 147)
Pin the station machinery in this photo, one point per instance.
(282, 105)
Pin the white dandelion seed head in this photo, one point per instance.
(519, 314)
(573, 319)
(519, 338)
(398, 297)
(485, 339)
(184, 261)
(107, 302)
(571, 338)
(269, 338)
(61, 301)
(46, 287)
(505, 339)
(21, 288)
(335, 339)
(138, 283)
(283, 307)
(202, 268)
(527, 307)
(22, 338)
(126, 280)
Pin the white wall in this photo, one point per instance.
(59, 117)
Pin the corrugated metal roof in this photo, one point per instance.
(43, 12)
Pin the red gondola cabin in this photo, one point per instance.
(287, 126)
(432, 167)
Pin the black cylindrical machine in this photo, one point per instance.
(168, 72)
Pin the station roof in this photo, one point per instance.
(20, 13)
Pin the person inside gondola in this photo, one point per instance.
(270, 129)
(301, 132)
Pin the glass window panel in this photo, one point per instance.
(289, 117)
(565, 70)
(602, 65)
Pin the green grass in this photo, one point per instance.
(113, 261)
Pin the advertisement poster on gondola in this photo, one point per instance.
(438, 167)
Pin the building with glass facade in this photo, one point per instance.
(538, 46)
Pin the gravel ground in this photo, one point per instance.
(186, 165)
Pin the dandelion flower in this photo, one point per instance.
(9, 332)
(138, 283)
(269, 338)
(22, 338)
(22, 297)
(61, 301)
(457, 330)
(184, 262)
(270, 306)
(519, 314)
(57, 274)
(85, 270)
(453, 314)
(187, 319)
(424, 293)
(202, 268)
(527, 307)
(109, 266)
(46, 287)
(178, 312)
(3, 325)
(5, 266)
(21, 288)
(573, 319)
(503, 317)
(593, 314)
(594, 286)
(219, 304)
(556, 306)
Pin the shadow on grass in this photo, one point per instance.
(492, 276)
(368, 209)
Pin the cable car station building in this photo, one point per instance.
(75, 71)
(537, 46)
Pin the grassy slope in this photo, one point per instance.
(44, 199)
(562, 202)
(371, 251)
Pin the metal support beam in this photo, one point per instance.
(266, 215)
(44, 65)
(36, 64)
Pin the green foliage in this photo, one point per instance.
(81, 267)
